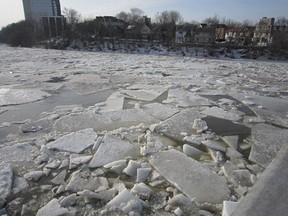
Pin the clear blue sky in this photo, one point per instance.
(239, 10)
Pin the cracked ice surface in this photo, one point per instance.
(136, 134)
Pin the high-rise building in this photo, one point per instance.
(36, 9)
(45, 15)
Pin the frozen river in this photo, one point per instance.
(85, 133)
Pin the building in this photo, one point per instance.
(263, 32)
(45, 15)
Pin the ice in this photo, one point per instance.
(185, 99)
(53, 208)
(104, 121)
(266, 142)
(80, 181)
(116, 166)
(142, 191)
(196, 180)
(68, 201)
(179, 200)
(76, 160)
(19, 154)
(19, 184)
(149, 94)
(114, 103)
(10, 96)
(200, 125)
(229, 207)
(113, 149)
(159, 111)
(190, 151)
(6, 179)
(216, 145)
(179, 123)
(220, 113)
(75, 142)
(125, 201)
(142, 174)
(60, 178)
(33, 175)
(232, 141)
(132, 167)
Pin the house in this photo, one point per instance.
(263, 31)
(240, 36)
(140, 30)
(109, 26)
(204, 34)
(220, 32)
(185, 33)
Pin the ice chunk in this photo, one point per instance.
(199, 125)
(142, 174)
(18, 154)
(159, 111)
(80, 181)
(145, 94)
(53, 208)
(33, 175)
(104, 121)
(19, 184)
(113, 149)
(132, 167)
(75, 142)
(60, 178)
(179, 123)
(229, 207)
(181, 201)
(114, 102)
(196, 181)
(76, 160)
(232, 141)
(142, 191)
(9, 96)
(6, 178)
(123, 201)
(190, 151)
(220, 113)
(116, 166)
(266, 142)
(216, 145)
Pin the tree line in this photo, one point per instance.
(164, 24)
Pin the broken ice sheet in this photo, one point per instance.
(10, 96)
(149, 94)
(185, 99)
(103, 121)
(225, 127)
(113, 149)
(190, 177)
(178, 124)
(266, 142)
(220, 113)
(75, 142)
(271, 109)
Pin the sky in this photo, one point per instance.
(191, 10)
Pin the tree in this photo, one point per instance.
(281, 21)
(134, 16)
(72, 16)
(212, 20)
(18, 34)
(167, 21)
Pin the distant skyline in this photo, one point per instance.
(198, 10)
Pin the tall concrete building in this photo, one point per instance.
(45, 15)
(36, 9)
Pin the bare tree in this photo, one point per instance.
(281, 21)
(72, 16)
(167, 21)
(212, 20)
(132, 17)
(248, 22)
